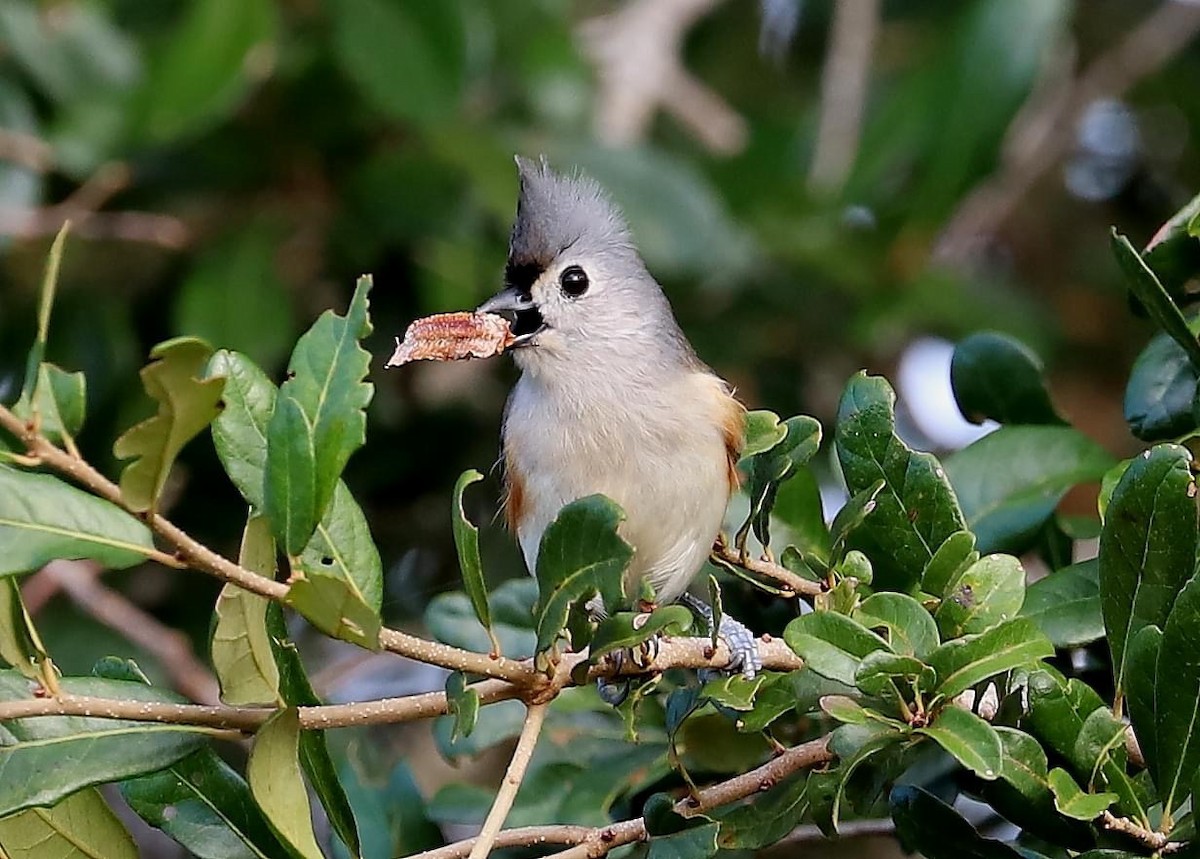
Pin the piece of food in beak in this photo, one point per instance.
(452, 337)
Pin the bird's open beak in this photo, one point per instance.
(521, 312)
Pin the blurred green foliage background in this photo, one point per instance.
(231, 165)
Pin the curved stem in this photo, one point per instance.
(535, 717)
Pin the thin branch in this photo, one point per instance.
(844, 81)
(1156, 841)
(637, 52)
(386, 711)
(601, 841)
(26, 150)
(151, 228)
(535, 717)
(521, 836)
(767, 569)
(200, 557)
(79, 580)
(1046, 134)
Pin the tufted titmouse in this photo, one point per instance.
(611, 399)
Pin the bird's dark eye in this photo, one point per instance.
(574, 281)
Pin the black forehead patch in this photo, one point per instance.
(521, 275)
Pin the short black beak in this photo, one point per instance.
(519, 309)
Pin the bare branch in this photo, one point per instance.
(810, 754)
(1156, 841)
(844, 81)
(200, 557)
(1046, 134)
(386, 711)
(794, 583)
(637, 52)
(521, 836)
(79, 579)
(142, 227)
(535, 717)
(26, 150)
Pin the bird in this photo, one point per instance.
(611, 398)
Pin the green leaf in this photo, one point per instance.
(909, 628)
(1144, 285)
(628, 629)
(81, 826)
(1147, 546)
(699, 842)
(1022, 793)
(1066, 605)
(798, 505)
(1142, 696)
(503, 722)
(1177, 698)
(342, 584)
(768, 817)
(50, 757)
(845, 709)
(314, 752)
(987, 593)
(925, 823)
(240, 431)
(43, 519)
(240, 646)
(886, 675)
(766, 470)
(20, 645)
(318, 422)
(973, 742)
(1070, 800)
(1161, 391)
(204, 805)
(963, 662)
(59, 404)
(187, 403)
(998, 377)
(1174, 254)
(1070, 718)
(207, 67)
(831, 644)
(581, 554)
(917, 510)
(763, 430)
(950, 560)
(1010, 481)
(734, 691)
(852, 515)
(466, 540)
(407, 61)
(33, 362)
(462, 704)
(277, 784)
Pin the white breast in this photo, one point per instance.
(660, 454)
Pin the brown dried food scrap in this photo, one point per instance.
(452, 337)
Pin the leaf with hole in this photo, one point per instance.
(985, 594)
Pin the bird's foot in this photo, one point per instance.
(743, 647)
(615, 689)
